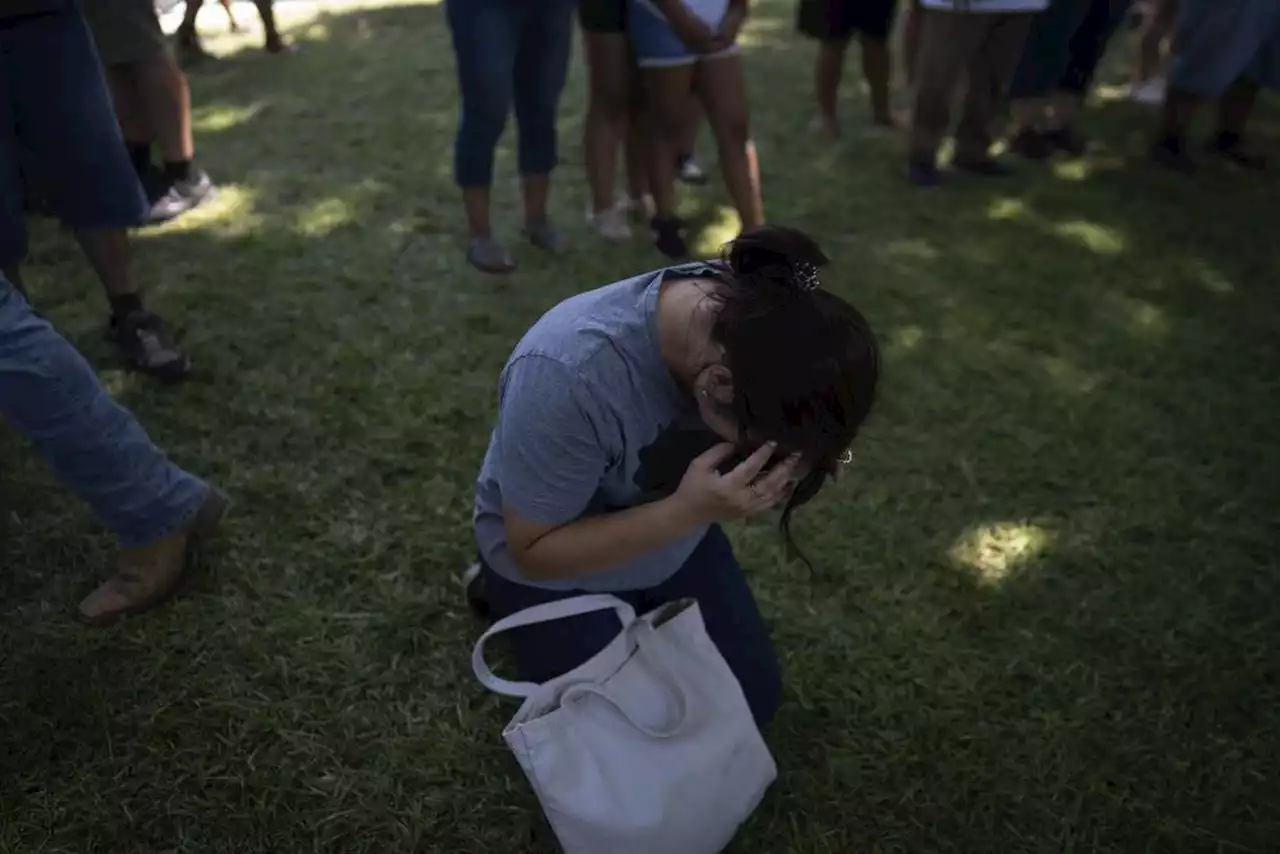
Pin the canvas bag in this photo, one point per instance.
(648, 747)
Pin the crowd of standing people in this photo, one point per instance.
(656, 67)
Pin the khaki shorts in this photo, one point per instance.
(125, 31)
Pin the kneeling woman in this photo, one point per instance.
(635, 418)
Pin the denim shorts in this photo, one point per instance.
(58, 133)
(657, 45)
(1219, 41)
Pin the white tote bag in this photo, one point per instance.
(648, 747)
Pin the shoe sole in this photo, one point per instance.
(203, 528)
(201, 202)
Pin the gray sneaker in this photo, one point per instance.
(547, 237)
(489, 256)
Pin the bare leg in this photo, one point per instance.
(107, 250)
(232, 23)
(187, 29)
(537, 191)
(273, 41)
(723, 90)
(475, 200)
(131, 107)
(608, 100)
(911, 32)
(163, 86)
(1234, 110)
(668, 92)
(877, 68)
(639, 138)
(828, 68)
(1155, 32)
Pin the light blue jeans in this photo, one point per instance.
(93, 445)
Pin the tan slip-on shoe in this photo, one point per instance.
(153, 574)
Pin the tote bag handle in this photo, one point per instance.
(544, 613)
(653, 647)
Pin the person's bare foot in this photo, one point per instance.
(152, 574)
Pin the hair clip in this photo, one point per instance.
(806, 276)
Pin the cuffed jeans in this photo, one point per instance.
(509, 51)
(93, 445)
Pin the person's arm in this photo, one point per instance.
(550, 460)
(550, 463)
(594, 544)
(691, 29)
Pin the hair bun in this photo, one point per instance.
(778, 255)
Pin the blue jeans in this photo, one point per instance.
(711, 575)
(59, 133)
(93, 445)
(509, 51)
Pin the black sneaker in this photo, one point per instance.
(183, 196)
(1031, 144)
(1230, 146)
(667, 237)
(986, 167)
(146, 345)
(924, 174)
(1068, 141)
(1171, 153)
(690, 171)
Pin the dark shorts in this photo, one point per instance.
(126, 31)
(1219, 41)
(603, 16)
(59, 134)
(837, 20)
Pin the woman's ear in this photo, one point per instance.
(719, 385)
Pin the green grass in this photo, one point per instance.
(1044, 611)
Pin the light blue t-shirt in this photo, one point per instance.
(591, 421)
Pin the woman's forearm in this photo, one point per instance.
(597, 543)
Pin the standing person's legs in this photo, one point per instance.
(713, 577)
(186, 33)
(128, 35)
(722, 88)
(830, 25)
(609, 73)
(1215, 42)
(990, 69)
(73, 151)
(666, 91)
(1157, 29)
(1088, 46)
(484, 42)
(948, 41)
(96, 448)
(1045, 56)
(273, 42)
(541, 66)
(912, 34)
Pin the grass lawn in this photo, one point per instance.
(1044, 611)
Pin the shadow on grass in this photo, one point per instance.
(1042, 617)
